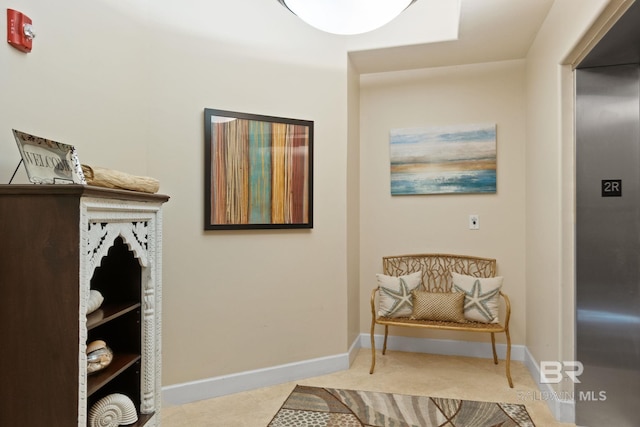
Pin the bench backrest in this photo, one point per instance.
(436, 268)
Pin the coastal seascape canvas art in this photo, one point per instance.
(443, 159)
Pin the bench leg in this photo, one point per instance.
(373, 344)
(373, 347)
(493, 347)
(386, 333)
(508, 359)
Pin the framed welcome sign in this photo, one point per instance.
(47, 161)
(258, 171)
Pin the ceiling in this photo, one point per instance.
(490, 30)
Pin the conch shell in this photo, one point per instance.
(95, 300)
(113, 410)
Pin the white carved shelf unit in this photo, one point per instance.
(112, 240)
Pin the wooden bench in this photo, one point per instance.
(436, 277)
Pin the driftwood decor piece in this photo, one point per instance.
(108, 178)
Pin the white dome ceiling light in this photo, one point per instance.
(346, 17)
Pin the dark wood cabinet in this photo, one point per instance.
(57, 243)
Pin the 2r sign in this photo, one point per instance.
(611, 188)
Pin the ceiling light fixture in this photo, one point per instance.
(346, 17)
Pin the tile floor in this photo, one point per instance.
(396, 372)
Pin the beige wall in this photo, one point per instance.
(549, 184)
(395, 225)
(245, 300)
(83, 83)
(353, 207)
(127, 84)
(128, 87)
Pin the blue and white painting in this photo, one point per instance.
(443, 159)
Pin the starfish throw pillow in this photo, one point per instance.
(395, 294)
(482, 297)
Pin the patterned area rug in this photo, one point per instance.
(329, 407)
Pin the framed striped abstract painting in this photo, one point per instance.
(258, 171)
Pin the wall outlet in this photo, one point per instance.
(474, 222)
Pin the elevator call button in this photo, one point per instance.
(611, 188)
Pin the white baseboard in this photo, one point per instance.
(178, 394)
(444, 347)
(563, 410)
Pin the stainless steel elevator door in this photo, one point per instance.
(608, 246)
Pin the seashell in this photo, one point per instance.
(95, 300)
(99, 356)
(95, 345)
(113, 410)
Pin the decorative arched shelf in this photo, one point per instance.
(62, 241)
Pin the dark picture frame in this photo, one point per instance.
(258, 171)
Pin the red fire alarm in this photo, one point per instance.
(19, 31)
